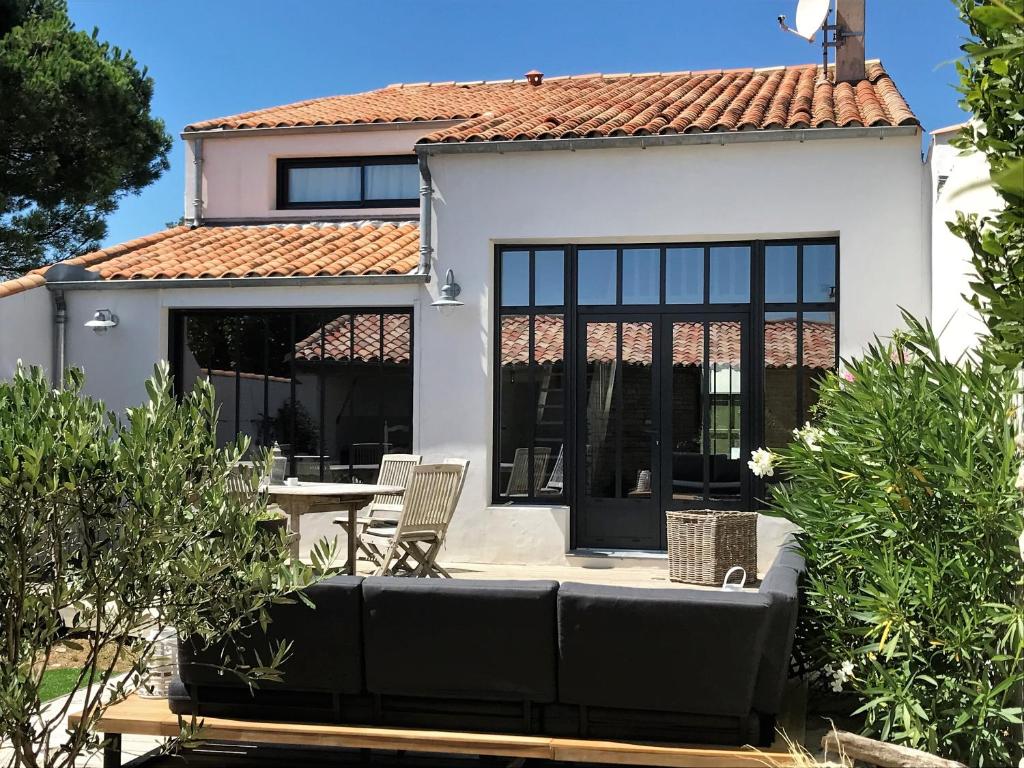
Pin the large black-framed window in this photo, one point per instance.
(333, 387)
(787, 289)
(530, 385)
(385, 181)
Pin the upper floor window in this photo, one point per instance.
(348, 182)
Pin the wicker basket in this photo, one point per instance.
(704, 544)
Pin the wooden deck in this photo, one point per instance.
(151, 717)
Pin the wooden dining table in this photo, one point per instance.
(304, 497)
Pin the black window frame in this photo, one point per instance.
(754, 310)
(285, 164)
(323, 315)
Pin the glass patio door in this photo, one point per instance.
(618, 423)
(705, 398)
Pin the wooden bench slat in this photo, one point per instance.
(151, 717)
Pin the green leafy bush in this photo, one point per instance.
(131, 527)
(904, 489)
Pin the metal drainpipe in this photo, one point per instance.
(60, 324)
(426, 204)
(197, 198)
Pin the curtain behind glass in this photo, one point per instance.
(392, 182)
(323, 185)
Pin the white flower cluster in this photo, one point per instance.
(839, 676)
(762, 463)
(809, 435)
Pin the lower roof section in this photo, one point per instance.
(250, 253)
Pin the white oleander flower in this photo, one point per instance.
(1019, 485)
(1019, 441)
(837, 685)
(846, 670)
(762, 463)
(809, 435)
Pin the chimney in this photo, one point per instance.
(533, 77)
(850, 37)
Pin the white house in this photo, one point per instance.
(654, 270)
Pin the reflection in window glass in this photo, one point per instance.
(333, 389)
(597, 276)
(641, 271)
(819, 347)
(725, 380)
(780, 273)
(730, 275)
(515, 278)
(602, 413)
(687, 411)
(549, 278)
(549, 432)
(781, 378)
(819, 273)
(684, 276)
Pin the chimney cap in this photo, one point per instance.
(534, 77)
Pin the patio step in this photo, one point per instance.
(617, 558)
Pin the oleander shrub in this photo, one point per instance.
(904, 490)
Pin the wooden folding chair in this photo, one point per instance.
(429, 503)
(384, 509)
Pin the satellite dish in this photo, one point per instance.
(810, 15)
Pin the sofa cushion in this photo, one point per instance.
(676, 650)
(470, 639)
(781, 585)
(326, 644)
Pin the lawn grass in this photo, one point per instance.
(58, 682)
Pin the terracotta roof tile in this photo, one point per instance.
(272, 250)
(606, 105)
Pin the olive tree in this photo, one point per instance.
(128, 525)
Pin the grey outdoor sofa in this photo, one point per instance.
(679, 665)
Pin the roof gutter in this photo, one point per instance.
(293, 130)
(238, 282)
(668, 140)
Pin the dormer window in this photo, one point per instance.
(348, 182)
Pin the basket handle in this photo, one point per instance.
(743, 578)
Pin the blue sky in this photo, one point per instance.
(220, 57)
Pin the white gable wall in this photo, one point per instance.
(967, 189)
(869, 192)
(240, 171)
(26, 323)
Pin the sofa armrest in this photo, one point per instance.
(676, 650)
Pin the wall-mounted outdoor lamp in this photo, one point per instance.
(102, 321)
(449, 294)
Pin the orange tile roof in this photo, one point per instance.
(607, 105)
(271, 250)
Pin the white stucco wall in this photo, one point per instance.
(868, 192)
(240, 173)
(951, 258)
(26, 330)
